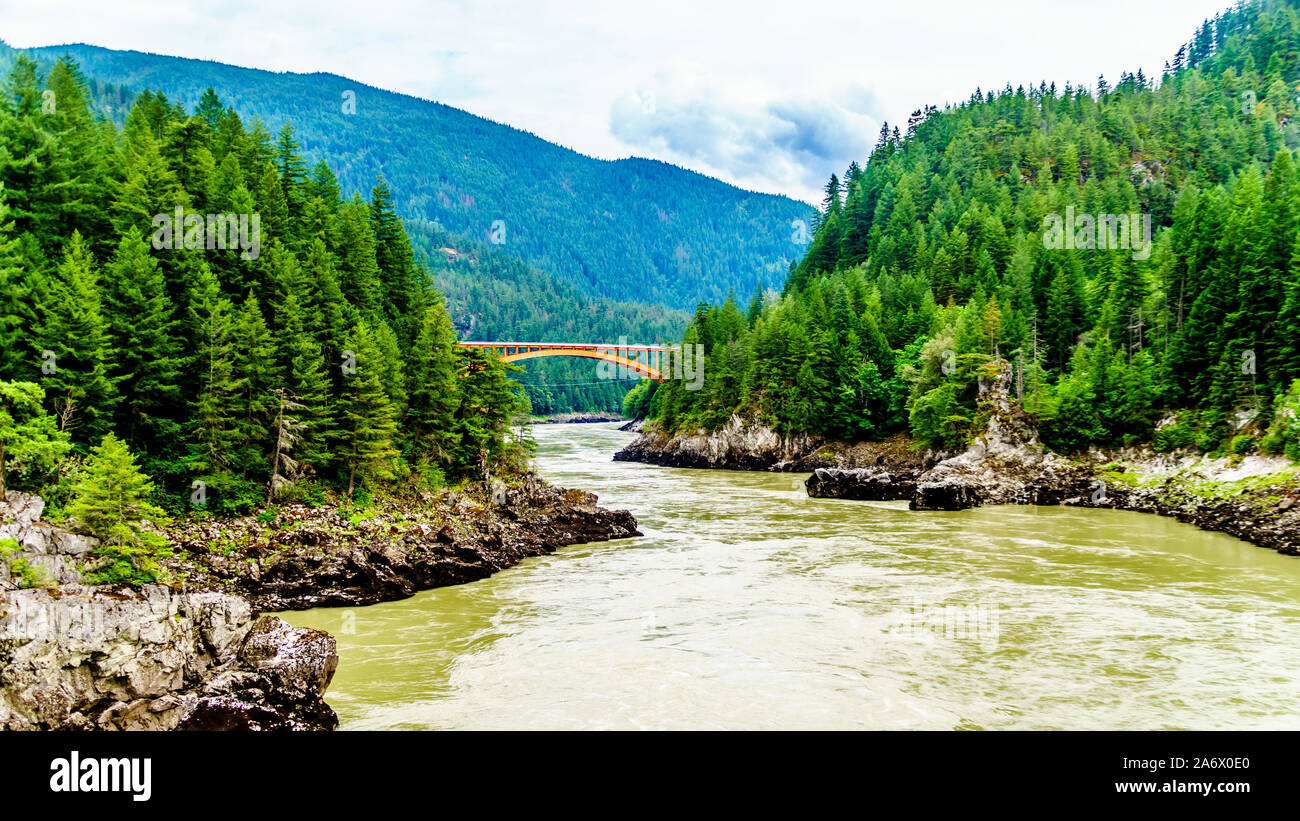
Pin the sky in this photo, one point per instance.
(770, 95)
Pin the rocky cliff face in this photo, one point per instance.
(1004, 464)
(737, 445)
(73, 656)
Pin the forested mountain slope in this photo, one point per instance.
(947, 248)
(633, 229)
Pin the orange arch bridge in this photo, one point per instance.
(647, 360)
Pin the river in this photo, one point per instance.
(749, 605)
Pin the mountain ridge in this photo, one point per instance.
(630, 228)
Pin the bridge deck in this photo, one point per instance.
(628, 356)
(586, 346)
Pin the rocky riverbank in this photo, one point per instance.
(738, 445)
(305, 557)
(76, 656)
(577, 418)
(744, 445)
(197, 653)
(1255, 498)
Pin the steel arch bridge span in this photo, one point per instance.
(647, 360)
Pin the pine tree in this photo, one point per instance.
(254, 370)
(307, 382)
(72, 345)
(37, 169)
(16, 292)
(367, 420)
(489, 402)
(150, 188)
(293, 182)
(214, 435)
(141, 332)
(210, 109)
(393, 257)
(1065, 316)
(433, 390)
(110, 503)
(185, 148)
(358, 269)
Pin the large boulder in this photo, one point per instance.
(950, 493)
(279, 683)
(859, 483)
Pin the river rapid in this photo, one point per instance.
(747, 604)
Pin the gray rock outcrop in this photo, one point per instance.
(76, 656)
(860, 483)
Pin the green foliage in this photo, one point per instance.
(367, 415)
(110, 503)
(27, 575)
(490, 403)
(31, 444)
(1283, 434)
(1180, 434)
(937, 419)
(639, 402)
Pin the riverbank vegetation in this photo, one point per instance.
(930, 260)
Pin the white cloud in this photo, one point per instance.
(777, 86)
(784, 144)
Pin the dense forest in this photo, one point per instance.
(938, 255)
(633, 230)
(317, 357)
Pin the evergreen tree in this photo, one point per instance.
(110, 503)
(15, 298)
(367, 418)
(73, 349)
(214, 434)
(141, 332)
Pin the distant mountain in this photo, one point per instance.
(633, 229)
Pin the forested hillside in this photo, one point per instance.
(633, 230)
(940, 253)
(492, 295)
(311, 355)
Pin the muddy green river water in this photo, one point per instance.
(748, 605)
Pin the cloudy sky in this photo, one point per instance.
(772, 95)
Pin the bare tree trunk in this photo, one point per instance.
(2, 471)
(352, 468)
(275, 461)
